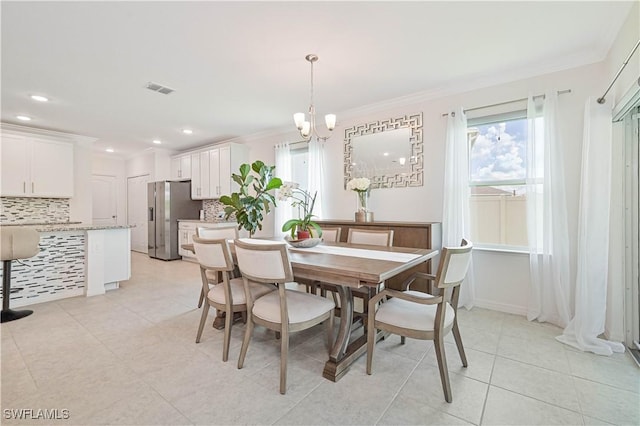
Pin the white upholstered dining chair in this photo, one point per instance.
(284, 311)
(374, 237)
(425, 316)
(229, 294)
(331, 234)
(228, 232)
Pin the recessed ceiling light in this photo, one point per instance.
(109, 150)
(23, 117)
(39, 98)
(157, 141)
(187, 131)
(386, 154)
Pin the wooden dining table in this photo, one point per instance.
(350, 266)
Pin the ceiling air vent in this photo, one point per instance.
(159, 88)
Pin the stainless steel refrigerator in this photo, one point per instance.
(168, 202)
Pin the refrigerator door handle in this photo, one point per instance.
(151, 214)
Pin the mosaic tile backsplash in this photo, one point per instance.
(214, 211)
(17, 210)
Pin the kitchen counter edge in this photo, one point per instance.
(71, 227)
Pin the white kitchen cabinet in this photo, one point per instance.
(33, 166)
(181, 167)
(186, 231)
(200, 182)
(224, 161)
(107, 260)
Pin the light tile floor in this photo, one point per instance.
(129, 357)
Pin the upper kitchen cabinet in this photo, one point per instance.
(211, 170)
(181, 166)
(34, 165)
(200, 169)
(224, 161)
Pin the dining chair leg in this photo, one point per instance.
(402, 340)
(201, 298)
(203, 320)
(284, 351)
(442, 365)
(245, 342)
(371, 338)
(228, 323)
(458, 339)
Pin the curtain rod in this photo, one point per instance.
(601, 99)
(560, 92)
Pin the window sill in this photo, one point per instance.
(502, 249)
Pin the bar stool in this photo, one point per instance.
(16, 243)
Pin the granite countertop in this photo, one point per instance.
(67, 226)
(207, 221)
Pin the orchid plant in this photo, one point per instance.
(304, 202)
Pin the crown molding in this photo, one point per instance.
(31, 131)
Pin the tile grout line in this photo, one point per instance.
(493, 366)
(400, 388)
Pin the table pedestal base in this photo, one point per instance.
(343, 353)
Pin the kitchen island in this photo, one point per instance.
(75, 259)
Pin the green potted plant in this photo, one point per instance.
(303, 227)
(250, 208)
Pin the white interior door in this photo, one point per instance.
(105, 207)
(137, 211)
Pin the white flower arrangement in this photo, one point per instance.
(359, 184)
(362, 186)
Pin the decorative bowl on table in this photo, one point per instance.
(306, 243)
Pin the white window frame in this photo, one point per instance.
(492, 119)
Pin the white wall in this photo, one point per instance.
(502, 279)
(80, 205)
(143, 164)
(627, 37)
(155, 162)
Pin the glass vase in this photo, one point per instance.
(363, 201)
(363, 214)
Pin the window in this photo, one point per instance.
(497, 173)
(300, 165)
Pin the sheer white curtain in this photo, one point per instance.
(316, 175)
(547, 215)
(593, 236)
(284, 211)
(456, 214)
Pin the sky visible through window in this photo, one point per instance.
(498, 152)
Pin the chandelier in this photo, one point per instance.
(308, 128)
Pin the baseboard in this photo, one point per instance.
(613, 337)
(46, 298)
(112, 286)
(501, 307)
